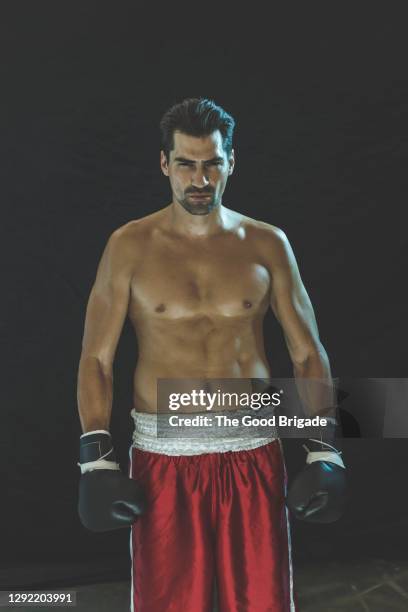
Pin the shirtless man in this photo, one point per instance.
(196, 279)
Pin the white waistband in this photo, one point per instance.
(145, 438)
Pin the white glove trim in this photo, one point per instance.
(325, 456)
(89, 433)
(100, 464)
(332, 457)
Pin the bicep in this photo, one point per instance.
(107, 305)
(291, 303)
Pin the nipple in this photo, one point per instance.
(247, 304)
(160, 308)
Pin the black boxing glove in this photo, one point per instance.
(107, 499)
(318, 493)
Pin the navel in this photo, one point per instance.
(160, 308)
(247, 304)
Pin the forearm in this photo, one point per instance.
(94, 394)
(318, 493)
(315, 385)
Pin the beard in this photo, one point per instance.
(195, 207)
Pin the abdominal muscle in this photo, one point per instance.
(197, 360)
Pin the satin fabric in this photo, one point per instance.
(216, 517)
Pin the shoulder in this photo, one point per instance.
(269, 241)
(257, 230)
(265, 232)
(130, 230)
(126, 245)
(131, 237)
(121, 250)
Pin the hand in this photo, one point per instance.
(318, 493)
(107, 499)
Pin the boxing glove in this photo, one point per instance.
(107, 499)
(318, 493)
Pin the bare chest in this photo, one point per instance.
(177, 285)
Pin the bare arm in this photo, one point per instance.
(105, 316)
(293, 309)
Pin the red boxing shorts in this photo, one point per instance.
(215, 530)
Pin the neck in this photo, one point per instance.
(195, 226)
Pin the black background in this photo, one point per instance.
(320, 102)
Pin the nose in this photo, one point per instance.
(199, 178)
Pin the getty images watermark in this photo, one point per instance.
(282, 407)
(200, 398)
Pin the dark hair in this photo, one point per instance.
(196, 117)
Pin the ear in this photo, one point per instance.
(231, 162)
(163, 163)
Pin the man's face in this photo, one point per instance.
(198, 170)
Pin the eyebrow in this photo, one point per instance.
(191, 161)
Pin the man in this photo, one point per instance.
(196, 279)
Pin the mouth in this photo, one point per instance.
(195, 196)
